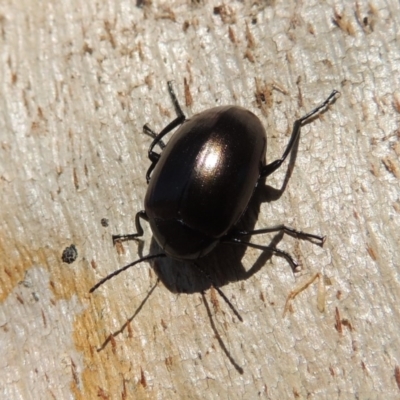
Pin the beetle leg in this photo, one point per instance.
(180, 118)
(316, 239)
(148, 131)
(133, 236)
(270, 168)
(281, 253)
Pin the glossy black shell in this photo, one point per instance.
(204, 179)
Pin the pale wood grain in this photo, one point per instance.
(77, 83)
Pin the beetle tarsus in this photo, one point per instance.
(124, 238)
(316, 110)
(316, 239)
(273, 166)
(132, 236)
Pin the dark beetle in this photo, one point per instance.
(204, 180)
(201, 184)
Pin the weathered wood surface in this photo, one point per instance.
(77, 83)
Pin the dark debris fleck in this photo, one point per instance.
(104, 222)
(69, 254)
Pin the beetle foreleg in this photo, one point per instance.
(133, 236)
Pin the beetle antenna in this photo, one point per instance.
(175, 102)
(220, 292)
(118, 271)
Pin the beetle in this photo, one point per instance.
(201, 183)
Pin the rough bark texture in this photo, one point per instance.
(77, 82)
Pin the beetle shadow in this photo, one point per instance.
(218, 337)
(223, 265)
(111, 337)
